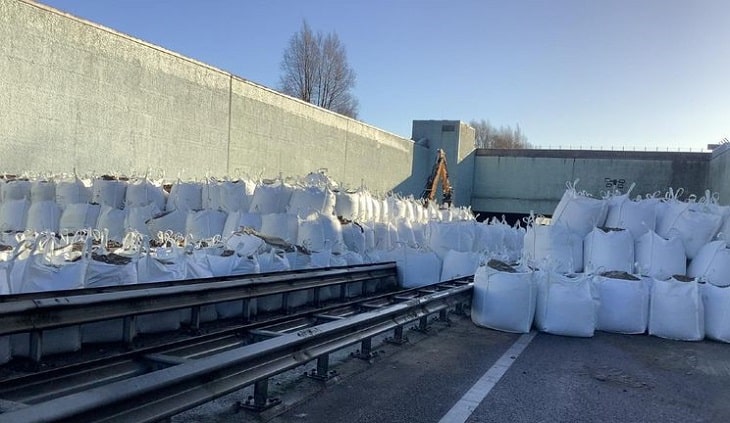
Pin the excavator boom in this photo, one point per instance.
(439, 173)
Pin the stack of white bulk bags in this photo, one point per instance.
(660, 258)
(579, 212)
(503, 299)
(623, 303)
(309, 199)
(565, 304)
(676, 309)
(445, 236)
(142, 192)
(692, 224)
(716, 302)
(712, 264)
(553, 247)
(490, 236)
(608, 249)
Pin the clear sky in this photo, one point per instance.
(605, 74)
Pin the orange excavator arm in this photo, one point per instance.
(440, 173)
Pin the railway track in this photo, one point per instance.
(149, 382)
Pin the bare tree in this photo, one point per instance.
(315, 69)
(487, 136)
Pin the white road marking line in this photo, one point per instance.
(476, 394)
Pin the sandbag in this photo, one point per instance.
(185, 196)
(15, 189)
(712, 264)
(553, 247)
(270, 198)
(44, 216)
(109, 192)
(72, 191)
(459, 264)
(623, 303)
(676, 310)
(347, 205)
(13, 215)
(174, 221)
(637, 217)
(660, 258)
(578, 211)
(205, 224)
(306, 200)
(112, 220)
(143, 192)
(136, 218)
(42, 190)
(79, 216)
(608, 250)
(503, 300)
(716, 302)
(280, 225)
(565, 304)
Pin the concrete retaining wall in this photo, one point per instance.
(720, 172)
(520, 181)
(75, 95)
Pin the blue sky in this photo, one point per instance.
(631, 74)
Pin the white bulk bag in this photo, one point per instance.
(185, 196)
(270, 198)
(637, 217)
(210, 195)
(44, 216)
(56, 267)
(234, 195)
(365, 206)
(565, 304)
(311, 233)
(694, 227)
(716, 302)
(369, 232)
(79, 216)
(108, 269)
(385, 235)
(136, 218)
(72, 191)
(396, 208)
(306, 200)
(112, 220)
(379, 208)
(143, 192)
(623, 304)
(273, 261)
(174, 221)
(445, 236)
(459, 264)
(419, 233)
(490, 236)
(352, 258)
(660, 258)
(13, 215)
(109, 192)
(347, 205)
(415, 267)
(332, 233)
(502, 300)
(578, 211)
(161, 264)
(608, 250)
(16, 262)
(353, 235)
(712, 264)
(15, 189)
(280, 225)
(244, 244)
(676, 310)
(42, 190)
(241, 219)
(197, 265)
(405, 233)
(553, 247)
(204, 224)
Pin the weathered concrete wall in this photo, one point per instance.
(520, 181)
(76, 95)
(720, 172)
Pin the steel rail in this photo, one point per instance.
(27, 313)
(174, 389)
